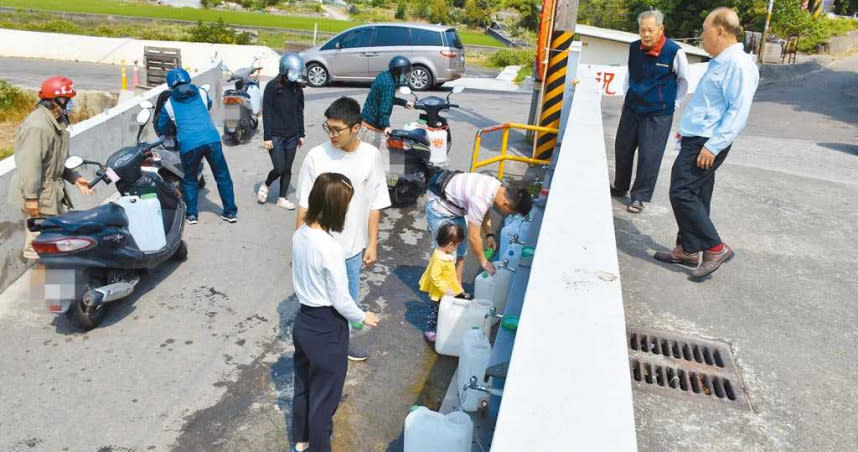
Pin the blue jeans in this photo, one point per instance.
(354, 265)
(213, 152)
(436, 220)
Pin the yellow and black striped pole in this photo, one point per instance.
(816, 9)
(552, 100)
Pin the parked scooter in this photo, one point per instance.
(241, 104)
(95, 256)
(435, 125)
(418, 148)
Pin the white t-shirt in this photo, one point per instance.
(365, 170)
(319, 273)
(469, 195)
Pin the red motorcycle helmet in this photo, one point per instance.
(57, 86)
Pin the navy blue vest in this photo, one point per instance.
(652, 82)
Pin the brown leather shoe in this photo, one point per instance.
(711, 262)
(678, 255)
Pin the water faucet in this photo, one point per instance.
(493, 313)
(473, 383)
(515, 240)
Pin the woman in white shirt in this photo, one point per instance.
(321, 332)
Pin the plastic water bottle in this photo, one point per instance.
(473, 362)
(430, 431)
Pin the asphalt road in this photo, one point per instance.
(199, 357)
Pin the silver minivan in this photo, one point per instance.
(360, 53)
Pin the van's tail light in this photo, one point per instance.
(232, 100)
(62, 245)
(449, 54)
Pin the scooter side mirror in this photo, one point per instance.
(405, 91)
(73, 162)
(143, 116)
(224, 67)
(206, 87)
(146, 105)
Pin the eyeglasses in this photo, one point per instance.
(333, 131)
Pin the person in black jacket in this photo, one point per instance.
(283, 120)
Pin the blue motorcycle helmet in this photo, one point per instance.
(292, 66)
(177, 76)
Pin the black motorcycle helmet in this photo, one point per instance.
(399, 65)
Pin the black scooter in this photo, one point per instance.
(92, 257)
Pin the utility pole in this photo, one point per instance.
(554, 85)
(766, 31)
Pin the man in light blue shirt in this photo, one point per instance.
(712, 120)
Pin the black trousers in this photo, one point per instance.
(282, 156)
(648, 135)
(691, 195)
(321, 338)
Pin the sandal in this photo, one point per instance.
(635, 207)
(262, 194)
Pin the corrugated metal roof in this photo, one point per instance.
(624, 36)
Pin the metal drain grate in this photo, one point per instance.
(689, 368)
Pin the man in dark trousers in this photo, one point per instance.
(716, 114)
(188, 107)
(655, 85)
(375, 116)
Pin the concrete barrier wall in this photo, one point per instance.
(844, 44)
(93, 139)
(91, 49)
(568, 386)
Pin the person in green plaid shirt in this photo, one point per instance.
(379, 106)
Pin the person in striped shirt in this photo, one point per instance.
(468, 199)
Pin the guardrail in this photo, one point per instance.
(503, 157)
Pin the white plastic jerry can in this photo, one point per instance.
(455, 317)
(473, 362)
(430, 431)
(494, 287)
(145, 221)
(516, 253)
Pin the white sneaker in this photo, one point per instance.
(285, 203)
(262, 194)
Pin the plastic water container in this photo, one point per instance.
(455, 317)
(145, 221)
(430, 431)
(513, 236)
(473, 362)
(516, 254)
(494, 287)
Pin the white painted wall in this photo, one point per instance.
(568, 386)
(93, 139)
(91, 49)
(608, 52)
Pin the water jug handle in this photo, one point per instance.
(461, 301)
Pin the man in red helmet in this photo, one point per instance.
(41, 149)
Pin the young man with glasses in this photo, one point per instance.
(361, 162)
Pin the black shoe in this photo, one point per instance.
(618, 193)
(191, 219)
(229, 218)
(356, 353)
(635, 207)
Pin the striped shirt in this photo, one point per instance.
(469, 195)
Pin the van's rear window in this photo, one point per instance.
(453, 39)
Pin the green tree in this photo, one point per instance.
(400, 10)
(478, 13)
(604, 13)
(421, 9)
(529, 11)
(846, 7)
(439, 12)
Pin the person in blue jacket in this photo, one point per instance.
(188, 107)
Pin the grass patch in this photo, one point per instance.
(239, 18)
(512, 57)
(523, 73)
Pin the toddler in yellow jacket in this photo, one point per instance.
(440, 278)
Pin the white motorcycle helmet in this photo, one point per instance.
(292, 66)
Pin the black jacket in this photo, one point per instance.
(282, 113)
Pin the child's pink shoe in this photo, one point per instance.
(429, 336)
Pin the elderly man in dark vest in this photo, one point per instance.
(655, 85)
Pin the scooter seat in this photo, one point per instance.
(235, 92)
(416, 135)
(106, 215)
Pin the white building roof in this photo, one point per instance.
(624, 36)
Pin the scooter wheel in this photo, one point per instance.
(181, 253)
(84, 315)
